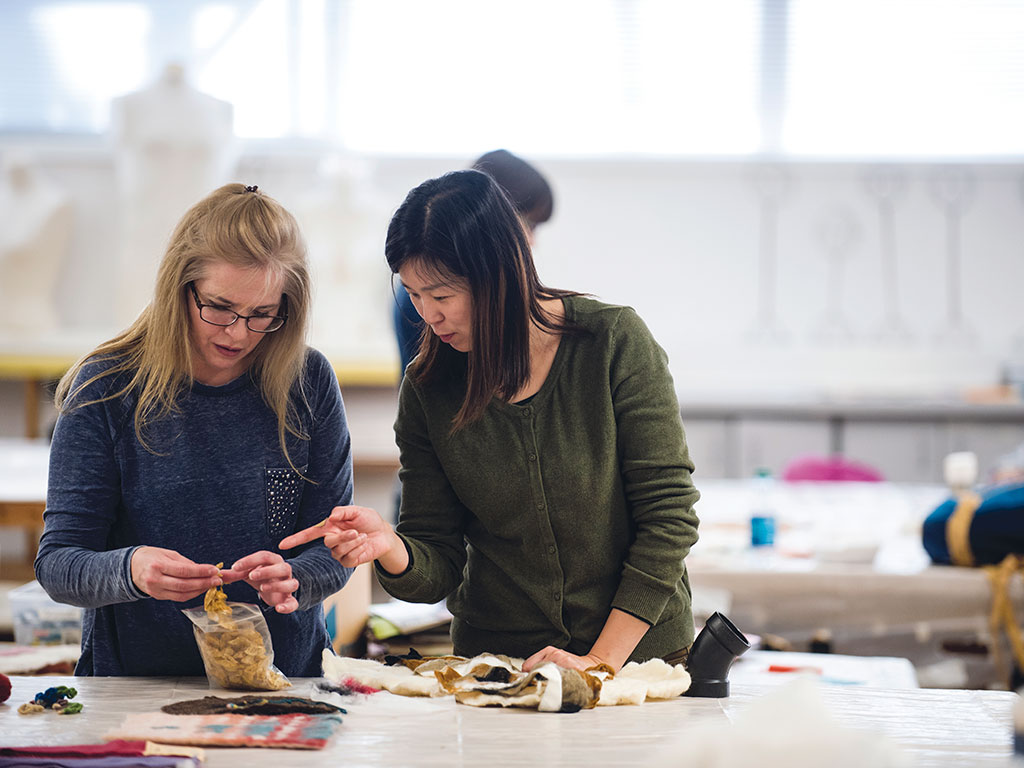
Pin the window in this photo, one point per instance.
(677, 77)
(570, 76)
(914, 77)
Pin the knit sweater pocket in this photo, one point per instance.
(284, 493)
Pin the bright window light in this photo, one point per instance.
(249, 67)
(95, 51)
(905, 77)
(840, 78)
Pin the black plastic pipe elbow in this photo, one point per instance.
(717, 646)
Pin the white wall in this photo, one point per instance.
(679, 240)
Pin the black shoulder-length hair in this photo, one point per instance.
(462, 225)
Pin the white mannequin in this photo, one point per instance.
(35, 233)
(174, 146)
(342, 217)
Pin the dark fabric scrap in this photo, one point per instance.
(251, 705)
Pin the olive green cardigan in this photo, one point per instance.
(539, 518)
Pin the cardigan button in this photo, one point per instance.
(532, 457)
(540, 505)
(527, 412)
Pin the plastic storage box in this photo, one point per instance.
(39, 620)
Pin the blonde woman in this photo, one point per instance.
(203, 433)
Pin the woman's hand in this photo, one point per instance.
(356, 535)
(270, 575)
(167, 575)
(563, 659)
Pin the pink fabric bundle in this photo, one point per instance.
(830, 469)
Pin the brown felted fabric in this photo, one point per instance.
(251, 705)
(579, 690)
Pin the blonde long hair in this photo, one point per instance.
(236, 225)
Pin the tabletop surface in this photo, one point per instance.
(919, 727)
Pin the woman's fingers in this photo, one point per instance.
(271, 576)
(562, 658)
(262, 570)
(352, 556)
(283, 602)
(254, 560)
(361, 519)
(336, 539)
(287, 586)
(538, 658)
(168, 575)
(304, 536)
(348, 548)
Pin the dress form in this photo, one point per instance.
(174, 145)
(342, 217)
(35, 233)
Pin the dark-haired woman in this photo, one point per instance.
(546, 486)
(533, 200)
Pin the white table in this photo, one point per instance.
(847, 556)
(937, 728)
(23, 471)
(768, 668)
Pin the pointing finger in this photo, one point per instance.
(304, 536)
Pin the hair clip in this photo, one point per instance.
(253, 188)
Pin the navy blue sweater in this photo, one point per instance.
(215, 487)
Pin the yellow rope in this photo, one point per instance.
(1001, 618)
(958, 529)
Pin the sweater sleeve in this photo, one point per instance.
(432, 519)
(655, 466)
(330, 468)
(82, 497)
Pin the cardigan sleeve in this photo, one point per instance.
(432, 519)
(330, 468)
(655, 466)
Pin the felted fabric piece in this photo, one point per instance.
(98, 761)
(296, 731)
(61, 755)
(117, 747)
(495, 680)
(650, 681)
(251, 705)
(156, 748)
(346, 687)
(396, 679)
(548, 688)
(128, 748)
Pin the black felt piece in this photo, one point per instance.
(251, 705)
(496, 675)
(392, 660)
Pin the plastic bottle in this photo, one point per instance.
(762, 514)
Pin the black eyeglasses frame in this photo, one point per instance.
(283, 317)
